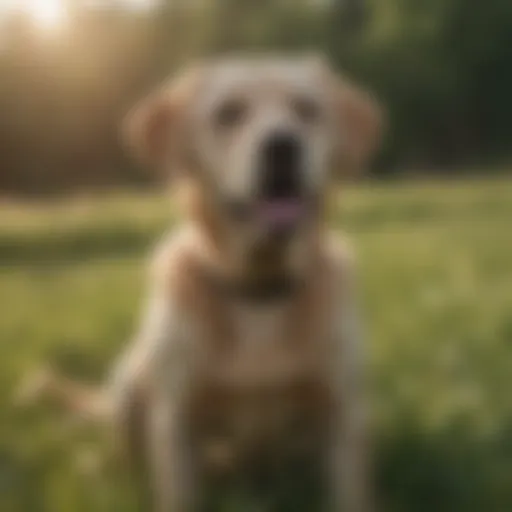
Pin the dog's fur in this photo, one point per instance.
(218, 378)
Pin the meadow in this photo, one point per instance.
(435, 264)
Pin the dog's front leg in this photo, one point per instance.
(149, 390)
(350, 476)
(172, 470)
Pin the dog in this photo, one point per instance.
(249, 347)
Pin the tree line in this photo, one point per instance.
(443, 69)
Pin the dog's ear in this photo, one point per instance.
(154, 130)
(360, 121)
(358, 118)
(361, 126)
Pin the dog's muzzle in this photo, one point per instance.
(280, 201)
(280, 187)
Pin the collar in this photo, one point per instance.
(262, 290)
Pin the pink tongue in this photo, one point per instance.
(281, 213)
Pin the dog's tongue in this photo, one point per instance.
(281, 213)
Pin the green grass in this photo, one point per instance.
(436, 268)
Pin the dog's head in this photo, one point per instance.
(263, 136)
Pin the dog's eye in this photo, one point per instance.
(307, 109)
(230, 113)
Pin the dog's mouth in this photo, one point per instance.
(273, 217)
(281, 201)
(281, 205)
(281, 215)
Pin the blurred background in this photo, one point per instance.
(432, 222)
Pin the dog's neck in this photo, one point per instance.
(261, 275)
(266, 274)
(259, 272)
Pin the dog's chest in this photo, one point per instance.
(267, 385)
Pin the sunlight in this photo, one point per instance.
(51, 14)
(47, 14)
(141, 5)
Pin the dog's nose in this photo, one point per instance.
(281, 159)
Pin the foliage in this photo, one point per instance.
(441, 67)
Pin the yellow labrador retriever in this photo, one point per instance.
(249, 350)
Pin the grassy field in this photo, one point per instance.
(436, 266)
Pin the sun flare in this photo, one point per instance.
(141, 5)
(52, 14)
(46, 14)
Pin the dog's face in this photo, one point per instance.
(263, 135)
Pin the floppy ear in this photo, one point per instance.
(154, 130)
(146, 130)
(360, 124)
